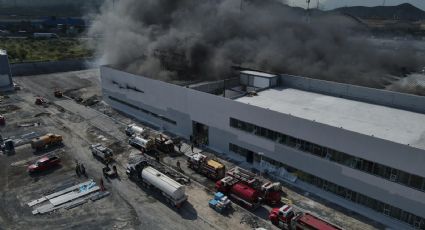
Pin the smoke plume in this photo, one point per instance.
(204, 38)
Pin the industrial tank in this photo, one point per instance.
(245, 192)
(162, 182)
(141, 142)
(133, 129)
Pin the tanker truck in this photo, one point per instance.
(151, 178)
(46, 141)
(286, 218)
(140, 143)
(268, 192)
(240, 192)
(133, 129)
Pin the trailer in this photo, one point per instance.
(209, 167)
(151, 178)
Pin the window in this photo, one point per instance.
(143, 110)
(233, 122)
(415, 181)
(376, 169)
(395, 213)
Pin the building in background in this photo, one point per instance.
(6, 83)
(358, 147)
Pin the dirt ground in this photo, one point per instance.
(128, 206)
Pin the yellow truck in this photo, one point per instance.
(211, 168)
(46, 141)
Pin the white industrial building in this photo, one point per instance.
(361, 148)
(6, 83)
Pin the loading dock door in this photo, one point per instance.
(250, 157)
(200, 133)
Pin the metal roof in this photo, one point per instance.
(396, 125)
(260, 74)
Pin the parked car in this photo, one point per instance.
(43, 164)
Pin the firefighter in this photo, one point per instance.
(102, 186)
(77, 169)
(191, 147)
(178, 165)
(83, 170)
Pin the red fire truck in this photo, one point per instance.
(286, 218)
(247, 189)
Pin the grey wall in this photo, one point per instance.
(381, 97)
(184, 105)
(34, 68)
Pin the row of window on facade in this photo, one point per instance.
(158, 116)
(370, 167)
(389, 210)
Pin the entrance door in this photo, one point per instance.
(250, 157)
(200, 133)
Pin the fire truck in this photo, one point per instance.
(286, 218)
(248, 190)
(202, 164)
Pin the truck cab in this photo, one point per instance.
(282, 217)
(101, 152)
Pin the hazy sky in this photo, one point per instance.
(330, 4)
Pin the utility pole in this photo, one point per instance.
(318, 4)
(383, 2)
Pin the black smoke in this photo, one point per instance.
(204, 38)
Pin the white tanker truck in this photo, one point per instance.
(133, 129)
(141, 143)
(151, 178)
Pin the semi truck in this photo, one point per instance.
(164, 144)
(286, 218)
(247, 189)
(46, 141)
(141, 143)
(211, 168)
(151, 178)
(133, 129)
(160, 143)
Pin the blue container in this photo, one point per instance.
(218, 195)
(213, 203)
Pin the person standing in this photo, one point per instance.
(77, 169)
(102, 186)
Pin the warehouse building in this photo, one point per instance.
(361, 148)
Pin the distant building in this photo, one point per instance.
(358, 147)
(6, 83)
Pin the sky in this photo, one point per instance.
(331, 4)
